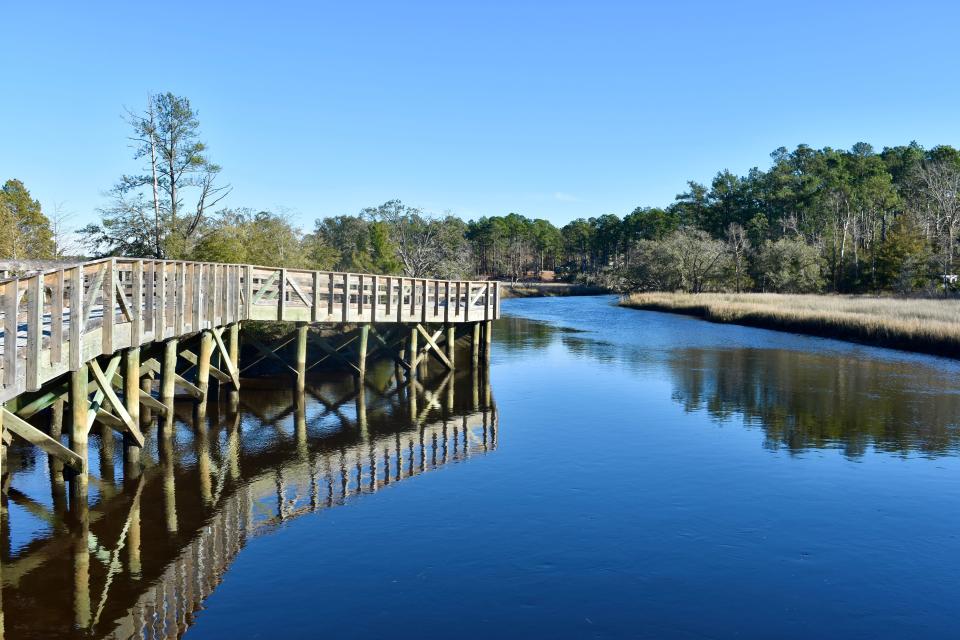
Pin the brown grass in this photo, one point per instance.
(924, 325)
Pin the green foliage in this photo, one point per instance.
(245, 237)
(789, 265)
(25, 232)
(903, 258)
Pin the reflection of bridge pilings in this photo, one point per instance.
(153, 546)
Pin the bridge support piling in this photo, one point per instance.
(451, 344)
(79, 409)
(414, 352)
(476, 344)
(146, 385)
(362, 351)
(131, 399)
(303, 331)
(233, 349)
(203, 364)
(487, 339)
(168, 379)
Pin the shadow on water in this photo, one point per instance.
(152, 546)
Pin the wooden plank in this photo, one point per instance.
(282, 294)
(150, 402)
(188, 386)
(346, 296)
(432, 343)
(26, 431)
(231, 367)
(374, 298)
(118, 406)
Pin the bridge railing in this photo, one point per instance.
(53, 321)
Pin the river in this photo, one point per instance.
(615, 474)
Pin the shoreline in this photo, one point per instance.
(548, 289)
(906, 325)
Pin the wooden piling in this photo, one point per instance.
(303, 330)
(451, 344)
(203, 364)
(476, 344)
(362, 351)
(487, 339)
(131, 401)
(168, 383)
(146, 385)
(414, 351)
(79, 408)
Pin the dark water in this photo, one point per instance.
(620, 474)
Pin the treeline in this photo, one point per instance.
(817, 220)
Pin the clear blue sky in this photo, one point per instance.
(550, 109)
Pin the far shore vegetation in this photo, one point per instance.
(923, 325)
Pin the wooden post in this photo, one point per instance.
(303, 329)
(487, 339)
(168, 379)
(79, 407)
(451, 344)
(131, 401)
(58, 487)
(203, 364)
(234, 344)
(476, 343)
(414, 351)
(362, 351)
(146, 385)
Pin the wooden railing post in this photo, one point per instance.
(136, 300)
(248, 292)
(282, 295)
(76, 317)
(56, 317)
(35, 291)
(109, 305)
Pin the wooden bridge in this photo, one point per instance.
(116, 338)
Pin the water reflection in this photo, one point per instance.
(141, 559)
(817, 396)
(811, 400)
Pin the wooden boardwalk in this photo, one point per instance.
(117, 337)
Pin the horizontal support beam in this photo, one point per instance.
(34, 436)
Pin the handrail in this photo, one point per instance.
(54, 321)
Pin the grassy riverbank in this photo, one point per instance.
(923, 325)
(548, 289)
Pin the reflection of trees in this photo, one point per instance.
(517, 334)
(809, 400)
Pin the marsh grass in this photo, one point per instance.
(924, 325)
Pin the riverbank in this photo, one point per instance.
(548, 289)
(921, 325)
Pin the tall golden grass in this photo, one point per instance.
(924, 325)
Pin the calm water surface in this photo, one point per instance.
(619, 474)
